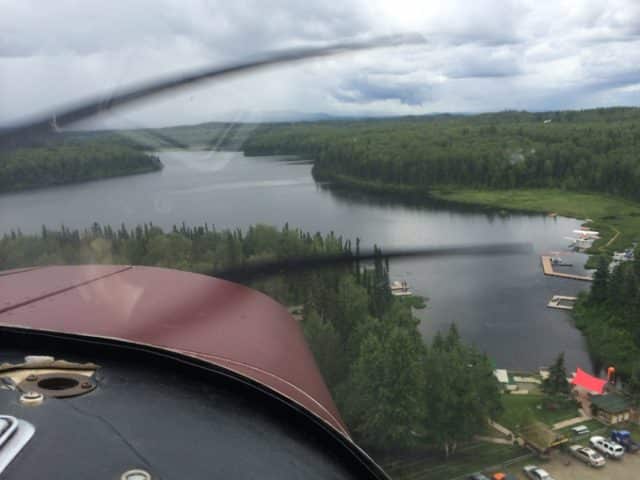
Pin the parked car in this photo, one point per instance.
(607, 447)
(502, 476)
(580, 430)
(587, 455)
(536, 473)
(477, 476)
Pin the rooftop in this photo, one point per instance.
(611, 403)
(589, 382)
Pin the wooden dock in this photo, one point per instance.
(562, 302)
(547, 268)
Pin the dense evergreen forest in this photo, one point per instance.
(68, 162)
(392, 389)
(609, 315)
(591, 150)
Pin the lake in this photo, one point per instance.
(498, 302)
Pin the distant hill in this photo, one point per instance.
(234, 135)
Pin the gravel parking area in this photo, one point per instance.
(565, 467)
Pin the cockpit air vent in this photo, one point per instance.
(14, 434)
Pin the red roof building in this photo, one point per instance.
(588, 382)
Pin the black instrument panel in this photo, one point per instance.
(171, 417)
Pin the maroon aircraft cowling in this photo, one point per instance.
(214, 320)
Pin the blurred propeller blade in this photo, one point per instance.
(250, 271)
(53, 122)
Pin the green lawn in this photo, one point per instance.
(595, 428)
(609, 214)
(471, 458)
(517, 406)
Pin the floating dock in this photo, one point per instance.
(400, 289)
(547, 268)
(562, 302)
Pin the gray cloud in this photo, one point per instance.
(365, 89)
(484, 62)
(482, 55)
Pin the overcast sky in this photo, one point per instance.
(480, 56)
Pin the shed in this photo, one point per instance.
(611, 408)
(540, 437)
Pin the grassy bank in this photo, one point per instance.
(617, 219)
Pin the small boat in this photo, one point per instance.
(400, 289)
(559, 262)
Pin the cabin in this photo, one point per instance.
(611, 408)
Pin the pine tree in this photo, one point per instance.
(599, 287)
(556, 383)
(633, 384)
(615, 287)
(383, 398)
(325, 344)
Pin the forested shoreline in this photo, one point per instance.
(78, 156)
(61, 163)
(591, 150)
(365, 341)
(609, 316)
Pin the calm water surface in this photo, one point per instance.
(498, 302)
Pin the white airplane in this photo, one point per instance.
(591, 234)
(584, 242)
